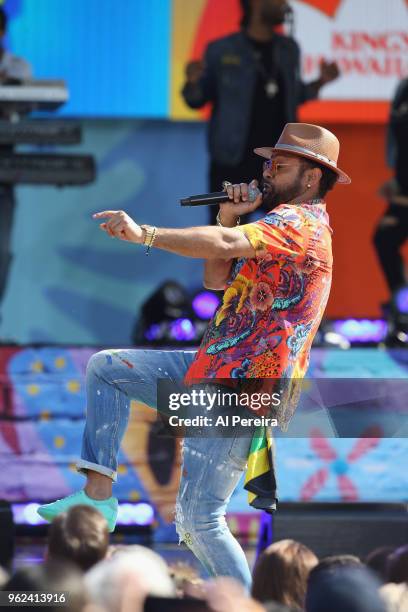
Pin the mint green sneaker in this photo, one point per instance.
(107, 507)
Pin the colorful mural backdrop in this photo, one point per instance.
(42, 410)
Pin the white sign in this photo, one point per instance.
(367, 38)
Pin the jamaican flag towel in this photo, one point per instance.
(260, 480)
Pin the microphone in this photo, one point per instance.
(218, 197)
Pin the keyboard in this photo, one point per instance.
(40, 169)
(40, 131)
(45, 95)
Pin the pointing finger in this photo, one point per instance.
(105, 214)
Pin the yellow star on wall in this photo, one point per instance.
(59, 441)
(73, 386)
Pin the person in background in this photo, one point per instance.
(62, 582)
(395, 596)
(80, 536)
(252, 78)
(332, 563)
(13, 71)
(4, 577)
(377, 561)
(130, 575)
(397, 565)
(281, 573)
(392, 229)
(351, 588)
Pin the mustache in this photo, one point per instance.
(266, 185)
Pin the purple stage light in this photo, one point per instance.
(205, 304)
(182, 330)
(26, 514)
(154, 332)
(401, 300)
(361, 330)
(140, 513)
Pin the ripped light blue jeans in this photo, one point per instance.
(212, 466)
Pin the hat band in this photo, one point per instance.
(307, 152)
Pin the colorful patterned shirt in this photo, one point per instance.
(273, 303)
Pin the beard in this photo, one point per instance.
(273, 196)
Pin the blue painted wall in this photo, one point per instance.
(114, 55)
(69, 282)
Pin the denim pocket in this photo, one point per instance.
(239, 451)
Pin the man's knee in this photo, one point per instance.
(100, 365)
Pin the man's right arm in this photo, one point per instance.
(199, 87)
(217, 271)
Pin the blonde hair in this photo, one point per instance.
(395, 596)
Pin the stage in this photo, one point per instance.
(42, 417)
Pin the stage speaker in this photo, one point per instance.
(342, 528)
(6, 535)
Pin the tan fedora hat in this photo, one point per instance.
(310, 141)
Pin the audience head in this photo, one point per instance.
(397, 565)
(332, 564)
(4, 577)
(224, 594)
(138, 568)
(281, 573)
(51, 577)
(79, 535)
(377, 561)
(351, 588)
(395, 597)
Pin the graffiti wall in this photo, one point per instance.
(42, 414)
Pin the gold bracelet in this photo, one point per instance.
(218, 220)
(149, 237)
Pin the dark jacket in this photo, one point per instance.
(398, 136)
(229, 82)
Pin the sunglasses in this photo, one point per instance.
(273, 166)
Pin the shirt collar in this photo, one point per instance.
(316, 207)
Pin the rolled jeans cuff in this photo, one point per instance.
(82, 465)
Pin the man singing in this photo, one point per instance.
(276, 276)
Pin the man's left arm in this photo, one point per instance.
(205, 242)
(329, 71)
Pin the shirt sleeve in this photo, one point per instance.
(277, 235)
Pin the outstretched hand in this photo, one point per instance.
(329, 71)
(120, 225)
